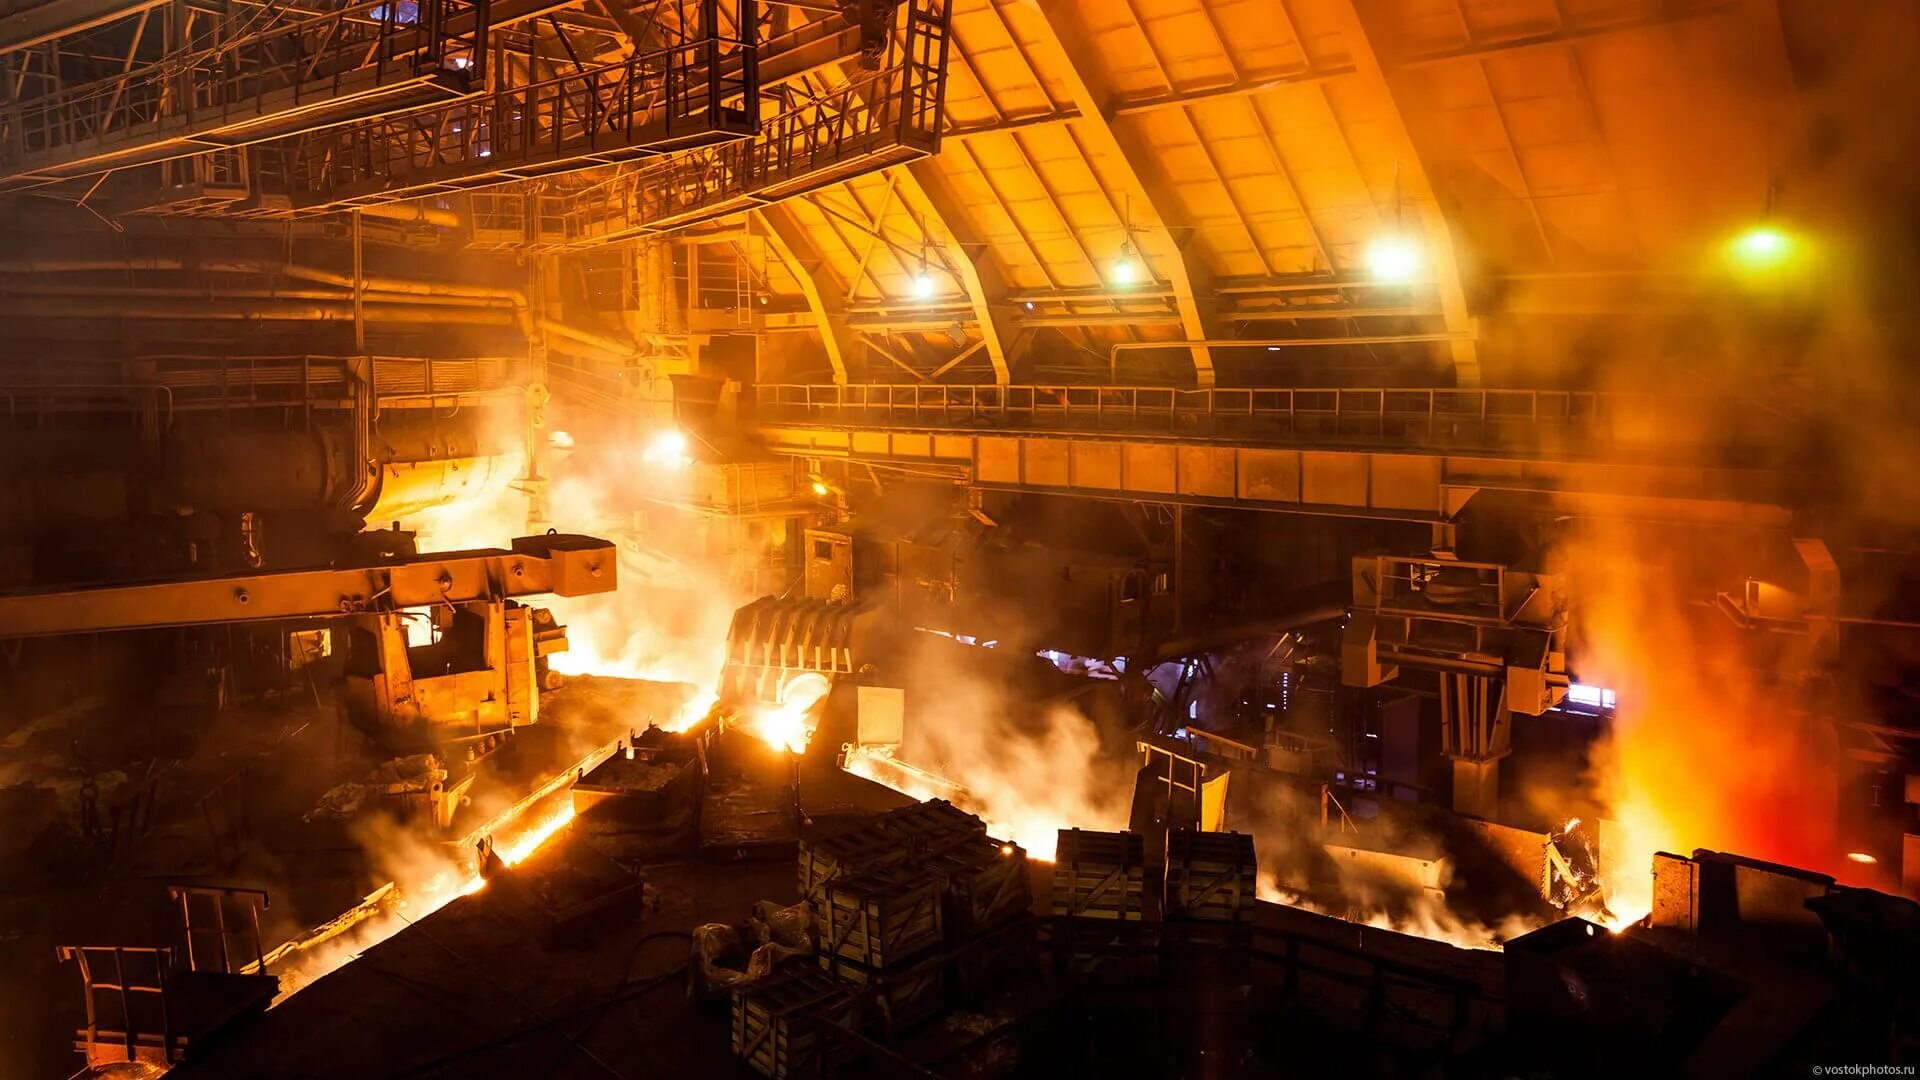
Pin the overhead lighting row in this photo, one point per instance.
(1398, 258)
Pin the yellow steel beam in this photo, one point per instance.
(1056, 29)
(926, 191)
(1415, 191)
(788, 239)
(563, 565)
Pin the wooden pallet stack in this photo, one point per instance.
(1099, 879)
(776, 1023)
(907, 995)
(873, 928)
(1210, 876)
(1100, 875)
(879, 918)
(845, 854)
(985, 883)
(933, 826)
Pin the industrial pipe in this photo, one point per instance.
(253, 311)
(372, 284)
(1293, 314)
(408, 213)
(610, 345)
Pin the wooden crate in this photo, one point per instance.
(1210, 875)
(776, 1023)
(985, 883)
(987, 963)
(902, 1000)
(1119, 951)
(847, 853)
(880, 918)
(931, 826)
(1100, 875)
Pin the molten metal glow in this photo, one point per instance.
(1028, 823)
(784, 727)
(789, 725)
(1705, 750)
(1427, 917)
(517, 849)
(428, 877)
(667, 449)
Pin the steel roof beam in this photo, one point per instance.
(788, 239)
(926, 191)
(1416, 191)
(927, 194)
(1060, 33)
(56, 19)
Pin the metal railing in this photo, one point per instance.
(872, 123)
(347, 55)
(647, 103)
(1573, 421)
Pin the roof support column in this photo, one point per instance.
(789, 241)
(932, 200)
(1154, 216)
(926, 192)
(1416, 189)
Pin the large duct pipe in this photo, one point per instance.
(410, 213)
(252, 311)
(377, 290)
(372, 283)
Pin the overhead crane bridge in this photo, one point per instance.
(284, 123)
(229, 84)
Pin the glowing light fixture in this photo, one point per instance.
(1763, 247)
(1126, 268)
(820, 488)
(1861, 857)
(561, 440)
(923, 284)
(1394, 259)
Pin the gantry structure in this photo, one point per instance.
(1245, 223)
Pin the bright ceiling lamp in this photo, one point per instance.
(1763, 247)
(923, 284)
(1126, 268)
(1394, 259)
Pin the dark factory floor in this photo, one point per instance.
(471, 990)
(228, 804)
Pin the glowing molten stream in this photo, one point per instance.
(1033, 827)
(788, 724)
